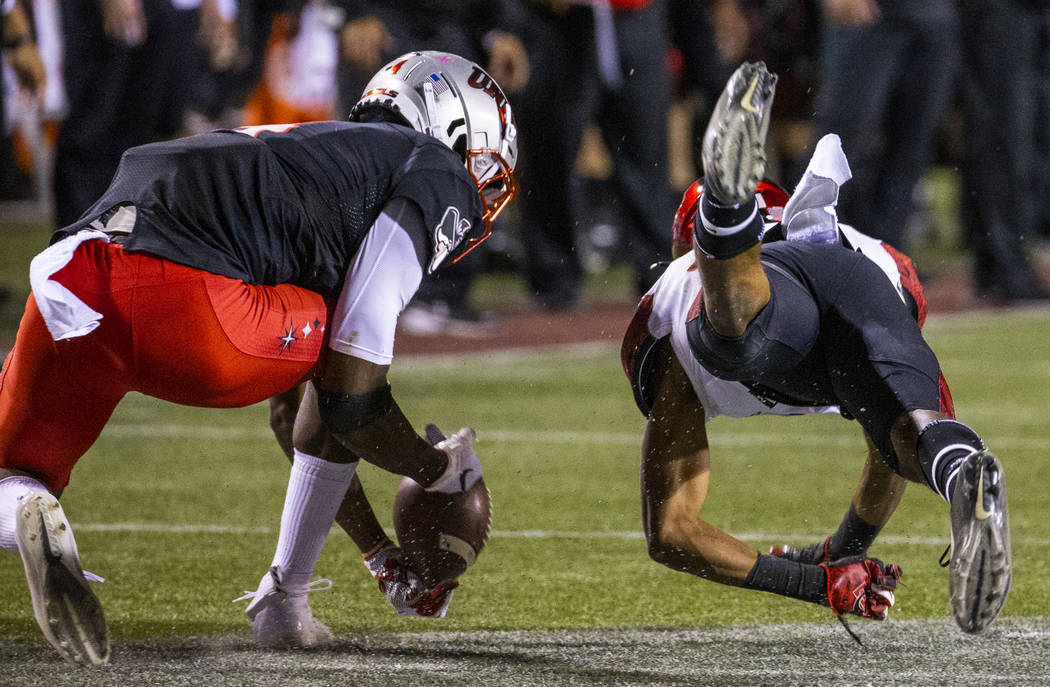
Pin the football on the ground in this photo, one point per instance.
(441, 534)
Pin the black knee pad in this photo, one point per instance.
(774, 343)
(343, 413)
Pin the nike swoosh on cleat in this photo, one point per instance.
(463, 479)
(745, 102)
(979, 512)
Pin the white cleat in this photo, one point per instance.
(281, 620)
(68, 612)
(980, 568)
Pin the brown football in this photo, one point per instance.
(441, 534)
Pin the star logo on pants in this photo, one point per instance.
(288, 338)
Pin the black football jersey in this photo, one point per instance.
(287, 203)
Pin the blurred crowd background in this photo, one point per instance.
(938, 103)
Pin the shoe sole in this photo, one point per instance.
(980, 568)
(737, 158)
(67, 611)
(315, 634)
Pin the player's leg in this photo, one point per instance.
(355, 515)
(210, 341)
(49, 417)
(898, 393)
(728, 226)
(283, 409)
(950, 458)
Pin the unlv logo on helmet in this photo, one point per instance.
(482, 81)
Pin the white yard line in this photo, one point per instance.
(567, 437)
(628, 535)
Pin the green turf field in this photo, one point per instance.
(178, 509)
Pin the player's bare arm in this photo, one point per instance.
(877, 496)
(880, 489)
(354, 402)
(366, 420)
(675, 479)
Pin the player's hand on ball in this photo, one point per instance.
(464, 466)
(433, 603)
(861, 586)
(434, 435)
(397, 581)
(403, 588)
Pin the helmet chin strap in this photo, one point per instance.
(431, 104)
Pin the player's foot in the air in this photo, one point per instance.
(980, 567)
(283, 619)
(734, 147)
(68, 612)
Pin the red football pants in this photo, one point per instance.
(168, 331)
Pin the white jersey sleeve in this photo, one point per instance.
(381, 281)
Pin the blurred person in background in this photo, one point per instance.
(485, 31)
(888, 69)
(21, 54)
(1007, 105)
(601, 62)
(128, 70)
(228, 60)
(298, 80)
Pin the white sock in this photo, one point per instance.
(11, 490)
(316, 487)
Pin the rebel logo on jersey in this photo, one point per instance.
(447, 235)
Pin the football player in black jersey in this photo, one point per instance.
(222, 269)
(809, 322)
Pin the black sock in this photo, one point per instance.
(853, 537)
(725, 231)
(788, 578)
(943, 445)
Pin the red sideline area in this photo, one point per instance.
(595, 322)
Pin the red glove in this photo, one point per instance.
(396, 580)
(861, 586)
(435, 602)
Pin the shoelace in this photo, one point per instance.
(849, 630)
(318, 585)
(92, 577)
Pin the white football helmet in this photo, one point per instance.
(458, 103)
